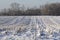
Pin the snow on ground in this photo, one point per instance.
(29, 28)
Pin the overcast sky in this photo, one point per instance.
(27, 3)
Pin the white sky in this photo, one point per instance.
(27, 3)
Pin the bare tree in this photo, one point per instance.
(15, 6)
(51, 9)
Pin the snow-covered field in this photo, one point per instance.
(29, 27)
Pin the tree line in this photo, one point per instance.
(16, 10)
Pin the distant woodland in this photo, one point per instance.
(47, 9)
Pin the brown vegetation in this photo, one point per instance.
(51, 9)
(16, 10)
